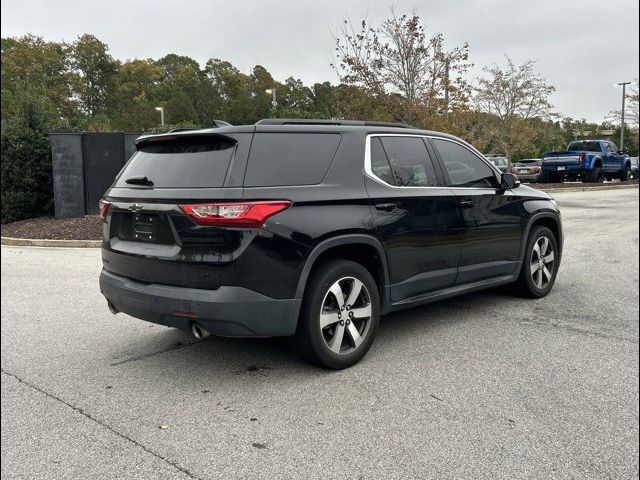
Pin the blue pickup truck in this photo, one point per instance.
(588, 160)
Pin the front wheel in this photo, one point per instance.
(625, 176)
(340, 315)
(541, 261)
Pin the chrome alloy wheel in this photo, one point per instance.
(345, 315)
(542, 262)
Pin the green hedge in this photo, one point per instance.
(27, 187)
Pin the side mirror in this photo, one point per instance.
(509, 181)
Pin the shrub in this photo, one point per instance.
(27, 186)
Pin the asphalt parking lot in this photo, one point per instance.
(488, 385)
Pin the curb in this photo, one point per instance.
(36, 242)
(587, 189)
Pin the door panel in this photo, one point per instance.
(420, 235)
(492, 233)
(415, 216)
(490, 218)
(612, 160)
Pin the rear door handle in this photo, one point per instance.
(467, 203)
(387, 207)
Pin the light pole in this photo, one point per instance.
(274, 103)
(624, 101)
(161, 110)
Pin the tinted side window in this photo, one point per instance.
(379, 163)
(278, 159)
(409, 161)
(465, 169)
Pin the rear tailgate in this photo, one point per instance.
(562, 161)
(147, 235)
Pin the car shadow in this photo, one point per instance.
(218, 360)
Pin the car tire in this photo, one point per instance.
(538, 272)
(625, 176)
(545, 177)
(595, 176)
(329, 333)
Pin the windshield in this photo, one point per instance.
(584, 146)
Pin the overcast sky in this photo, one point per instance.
(581, 47)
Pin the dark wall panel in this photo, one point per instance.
(68, 174)
(103, 159)
(84, 166)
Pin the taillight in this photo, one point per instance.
(103, 207)
(581, 158)
(241, 214)
(536, 169)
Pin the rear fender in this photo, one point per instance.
(592, 161)
(349, 239)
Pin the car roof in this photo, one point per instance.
(327, 127)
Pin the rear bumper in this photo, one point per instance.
(227, 311)
(528, 177)
(552, 167)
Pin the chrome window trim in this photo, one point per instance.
(369, 172)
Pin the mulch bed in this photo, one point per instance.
(83, 228)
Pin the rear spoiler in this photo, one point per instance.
(170, 135)
(216, 124)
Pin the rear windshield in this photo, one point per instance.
(584, 146)
(279, 159)
(532, 161)
(182, 162)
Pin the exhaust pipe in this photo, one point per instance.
(112, 308)
(199, 331)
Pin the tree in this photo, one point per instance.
(97, 72)
(135, 94)
(516, 95)
(33, 66)
(231, 93)
(178, 90)
(399, 65)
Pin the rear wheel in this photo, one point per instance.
(339, 316)
(538, 273)
(595, 176)
(545, 177)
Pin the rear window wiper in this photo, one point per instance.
(141, 180)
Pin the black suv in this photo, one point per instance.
(314, 229)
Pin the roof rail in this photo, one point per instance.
(308, 121)
(216, 124)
